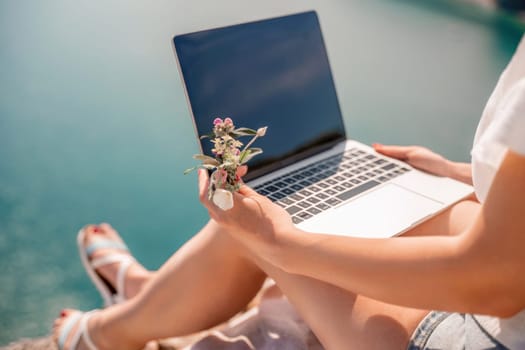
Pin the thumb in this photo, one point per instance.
(398, 152)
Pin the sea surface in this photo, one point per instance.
(94, 124)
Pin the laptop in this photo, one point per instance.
(275, 72)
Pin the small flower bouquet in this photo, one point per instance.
(227, 159)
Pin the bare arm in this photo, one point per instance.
(460, 171)
(478, 271)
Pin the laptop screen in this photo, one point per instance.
(271, 73)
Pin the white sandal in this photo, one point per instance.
(81, 331)
(110, 294)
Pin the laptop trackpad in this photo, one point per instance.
(385, 212)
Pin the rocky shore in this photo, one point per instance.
(33, 344)
(46, 343)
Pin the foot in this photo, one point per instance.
(75, 330)
(136, 275)
(68, 332)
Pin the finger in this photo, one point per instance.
(398, 152)
(242, 170)
(248, 192)
(204, 181)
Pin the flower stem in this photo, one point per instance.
(250, 143)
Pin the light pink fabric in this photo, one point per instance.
(274, 324)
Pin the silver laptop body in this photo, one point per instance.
(275, 73)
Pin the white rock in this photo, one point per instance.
(223, 199)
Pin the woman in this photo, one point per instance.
(352, 292)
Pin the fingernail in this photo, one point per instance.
(96, 229)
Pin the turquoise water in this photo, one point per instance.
(94, 124)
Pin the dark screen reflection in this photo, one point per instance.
(271, 73)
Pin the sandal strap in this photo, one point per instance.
(84, 330)
(121, 280)
(111, 259)
(105, 243)
(125, 261)
(66, 329)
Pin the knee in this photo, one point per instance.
(219, 235)
(221, 240)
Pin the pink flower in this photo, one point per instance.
(217, 121)
(220, 176)
(228, 121)
(261, 131)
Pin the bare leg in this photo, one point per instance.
(210, 279)
(205, 283)
(344, 320)
(137, 275)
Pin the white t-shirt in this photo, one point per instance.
(502, 127)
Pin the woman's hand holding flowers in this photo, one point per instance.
(254, 219)
(251, 218)
(228, 158)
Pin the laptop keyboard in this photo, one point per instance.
(317, 187)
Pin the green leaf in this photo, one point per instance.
(202, 166)
(206, 159)
(212, 135)
(255, 150)
(248, 154)
(189, 170)
(227, 164)
(208, 166)
(243, 132)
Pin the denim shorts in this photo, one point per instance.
(451, 331)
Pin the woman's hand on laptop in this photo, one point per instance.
(417, 156)
(253, 220)
(426, 160)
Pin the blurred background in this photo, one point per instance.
(94, 124)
